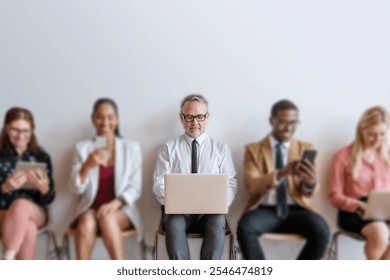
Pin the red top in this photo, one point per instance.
(106, 186)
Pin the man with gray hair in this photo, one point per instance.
(211, 156)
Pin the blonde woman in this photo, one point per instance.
(361, 168)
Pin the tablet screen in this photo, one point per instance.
(24, 166)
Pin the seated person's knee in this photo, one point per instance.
(174, 223)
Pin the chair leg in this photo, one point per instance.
(336, 246)
(50, 241)
(65, 247)
(155, 249)
(56, 249)
(143, 249)
(333, 248)
(231, 247)
(236, 251)
(45, 233)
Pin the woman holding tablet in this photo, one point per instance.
(24, 195)
(358, 169)
(106, 175)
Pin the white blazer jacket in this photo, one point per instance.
(127, 173)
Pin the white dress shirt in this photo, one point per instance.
(270, 198)
(175, 157)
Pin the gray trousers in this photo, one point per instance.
(212, 226)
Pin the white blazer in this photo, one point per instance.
(128, 163)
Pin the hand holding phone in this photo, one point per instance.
(99, 142)
(289, 169)
(99, 154)
(306, 169)
(308, 155)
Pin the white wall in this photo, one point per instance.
(57, 57)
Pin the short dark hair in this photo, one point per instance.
(109, 101)
(283, 104)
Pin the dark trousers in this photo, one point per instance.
(212, 226)
(299, 220)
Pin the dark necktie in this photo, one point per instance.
(281, 193)
(194, 157)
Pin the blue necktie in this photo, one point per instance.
(281, 193)
(194, 157)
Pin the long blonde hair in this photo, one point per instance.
(372, 116)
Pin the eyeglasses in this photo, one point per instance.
(190, 118)
(15, 130)
(285, 123)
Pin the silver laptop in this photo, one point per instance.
(196, 193)
(378, 206)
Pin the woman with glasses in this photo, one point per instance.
(358, 169)
(106, 175)
(24, 195)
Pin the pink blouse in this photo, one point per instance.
(345, 191)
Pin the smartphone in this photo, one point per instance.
(99, 142)
(309, 155)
